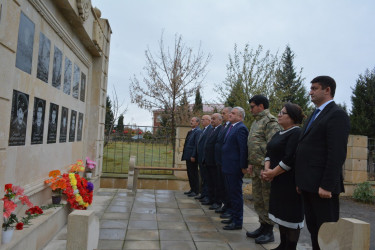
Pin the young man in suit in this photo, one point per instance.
(209, 161)
(189, 147)
(320, 155)
(198, 154)
(234, 160)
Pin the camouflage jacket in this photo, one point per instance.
(261, 132)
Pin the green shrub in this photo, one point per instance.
(364, 193)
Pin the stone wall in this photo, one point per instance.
(53, 55)
(355, 168)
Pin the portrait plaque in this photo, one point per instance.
(72, 127)
(57, 66)
(83, 87)
(43, 58)
(67, 76)
(63, 124)
(25, 43)
(52, 123)
(80, 127)
(76, 75)
(38, 121)
(18, 119)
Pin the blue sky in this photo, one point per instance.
(333, 38)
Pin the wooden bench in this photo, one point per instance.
(134, 172)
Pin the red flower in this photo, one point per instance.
(9, 207)
(34, 210)
(113, 131)
(140, 132)
(125, 131)
(8, 187)
(19, 226)
(25, 200)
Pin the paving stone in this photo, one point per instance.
(172, 225)
(112, 234)
(175, 235)
(169, 217)
(212, 245)
(168, 210)
(201, 227)
(188, 205)
(196, 218)
(118, 209)
(139, 234)
(144, 210)
(166, 205)
(208, 236)
(110, 244)
(149, 245)
(118, 216)
(141, 216)
(142, 224)
(189, 211)
(121, 203)
(180, 245)
(114, 224)
(140, 204)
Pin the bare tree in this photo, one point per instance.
(167, 76)
(117, 111)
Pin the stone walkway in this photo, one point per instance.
(163, 219)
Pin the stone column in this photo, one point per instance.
(355, 168)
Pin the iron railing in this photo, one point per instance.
(152, 147)
(371, 159)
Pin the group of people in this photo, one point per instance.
(296, 172)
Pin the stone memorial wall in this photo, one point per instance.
(53, 79)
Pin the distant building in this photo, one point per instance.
(207, 109)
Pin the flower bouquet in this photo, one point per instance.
(90, 165)
(57, 184)
(77, 167)
(78, 190)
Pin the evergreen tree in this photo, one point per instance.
(198, 105)
(109, 117)
(120, 124)
(183, 114)
(363, 105)
(289, 84)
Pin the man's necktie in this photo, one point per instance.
(231, 126)
(316, 111)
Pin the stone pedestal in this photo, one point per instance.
(346, 234)
(83, 230)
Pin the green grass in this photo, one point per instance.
(116, 156)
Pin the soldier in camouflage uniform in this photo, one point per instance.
(261, 132)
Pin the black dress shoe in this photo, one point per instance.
(199, 197)
(227, 221)
(205, 199)
(258, 232)
(188, 192)
(225, 216)
(214, 206)
(265, 238)
(220, 210)
(232, 226)
(208, 202)
(192, 194)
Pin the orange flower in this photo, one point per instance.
(54, 173)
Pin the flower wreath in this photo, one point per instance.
(78, 190)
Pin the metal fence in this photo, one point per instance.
(371, 159)
(152, 147)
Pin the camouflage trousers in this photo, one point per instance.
(261, 195)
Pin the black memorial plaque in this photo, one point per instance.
(25, 43)
(63, 124)
(38, 121)
(80, 127)
(43, 58)
(57, 67)
(18, 119)
(72, 127)
(67, 76)
(52, 123)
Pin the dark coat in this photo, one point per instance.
(199, 153)
(209, 149)
(234, 150)
(190, 145)
(321, 151)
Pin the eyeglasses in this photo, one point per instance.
(282, 113)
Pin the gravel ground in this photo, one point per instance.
(348, 209)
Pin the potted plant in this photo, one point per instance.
(57, 184)
(90, 165)
(10, 220)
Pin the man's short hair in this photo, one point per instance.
(22, 102)
(260, 99)
(241, 111)
(197, 119)
(228, 108)
(326, 81)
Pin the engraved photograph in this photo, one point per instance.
(57, 67)
(83, 87)
(18, 119)
(63, 124)
(67, 76)
(43, 58)
(76, 75)
(38, 121)
(72, 128)
(52, 123)
(25, 44)
(80, 127)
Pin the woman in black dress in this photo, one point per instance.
(285, 207)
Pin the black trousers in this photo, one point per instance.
(318, 211)
(212, 184)
(192, 171)
(221, 189)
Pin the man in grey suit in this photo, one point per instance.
(190, 145)
(320, 155)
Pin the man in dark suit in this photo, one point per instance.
(209, 161)
(234, 159)
(223, 197)
(320, 155)
(191, 142)
(198, 154)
